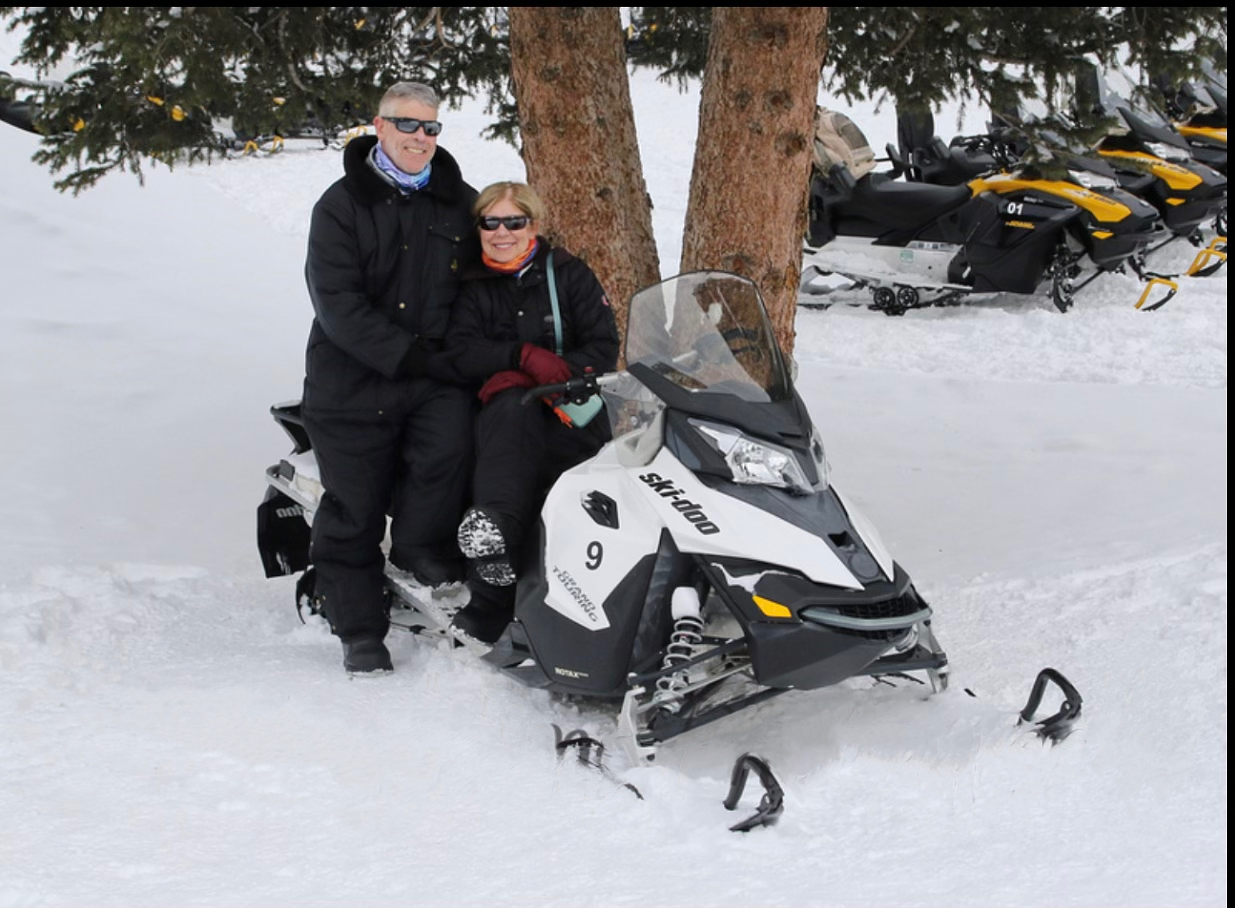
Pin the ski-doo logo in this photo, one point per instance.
(285, 513)
(576, 593)
(689, 510)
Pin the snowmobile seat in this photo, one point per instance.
(881, 205)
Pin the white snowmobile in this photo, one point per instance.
(701, 562)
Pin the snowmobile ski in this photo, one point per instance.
(771, 805)
(1056, 727)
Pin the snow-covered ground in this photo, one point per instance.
(171, 734)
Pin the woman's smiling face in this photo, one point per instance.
(503, 244)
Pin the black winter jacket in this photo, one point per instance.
(497, 314)
(383, 271)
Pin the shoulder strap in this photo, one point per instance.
(557, 312)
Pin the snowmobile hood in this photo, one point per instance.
(1103, 208)
(706, 523)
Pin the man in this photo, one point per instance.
(387, 243)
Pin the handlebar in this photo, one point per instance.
(575, 390)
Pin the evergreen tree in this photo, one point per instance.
(921, 56)
(748, 187)
(172, 83)
(178, 83)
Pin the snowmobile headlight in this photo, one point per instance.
(1093, 180)
(1168, 152)
(755, 462)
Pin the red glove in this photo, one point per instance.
(543, 365)
(504, 381)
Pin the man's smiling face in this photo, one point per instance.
(410, 151)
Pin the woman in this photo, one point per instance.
(504, 339)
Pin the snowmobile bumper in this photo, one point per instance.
(1111, 244)
(805, 635)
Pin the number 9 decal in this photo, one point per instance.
(595, 554)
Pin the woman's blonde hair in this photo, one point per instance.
(523, 195)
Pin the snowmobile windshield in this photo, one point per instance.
(708, 332)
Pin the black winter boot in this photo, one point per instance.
(366, 654)
(432, 572)
(486, 614)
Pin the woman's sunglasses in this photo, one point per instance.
(511, 222)
(411, 124)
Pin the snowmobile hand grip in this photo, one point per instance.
(542, 391)
(577, 390)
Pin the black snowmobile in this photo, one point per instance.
(1189, 194)
(999, 225)
(1197, 111)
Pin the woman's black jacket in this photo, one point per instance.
(496, 314)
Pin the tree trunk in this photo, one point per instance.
(749, 190)
(577, 127)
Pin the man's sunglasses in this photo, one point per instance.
(411, 124)
(511, 222)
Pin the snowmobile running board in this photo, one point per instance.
(902, 298)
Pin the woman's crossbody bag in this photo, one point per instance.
(577, 415)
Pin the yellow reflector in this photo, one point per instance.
(772, 609)
(1174, 201)
(1102, 234)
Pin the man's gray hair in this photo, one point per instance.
(412, 91)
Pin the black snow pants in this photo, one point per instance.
(520, 450)
(413, 463)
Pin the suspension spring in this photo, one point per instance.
(686, 637)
